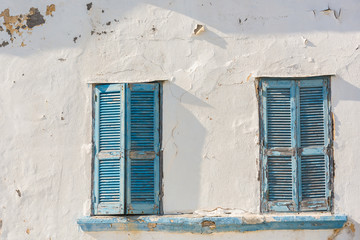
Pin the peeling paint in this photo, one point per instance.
(199, 29)
(330, 11)
(335, 233)
(333, 125)
(13, 23)
(76, 38)
(348, 225)
(206, 225)
(18, 192)
(4, 44)
(209, 224)
(89, 6)
(240, 21)
(248, 77)
(17, 24)
(151, 226)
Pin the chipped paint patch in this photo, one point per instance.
(151, 226)
(18, 192)
(199, 29)
(89, 6)
(349, 226)
(4, 44)
(248, 78)
(330, 11)
(34, 18)
(352, 227)
(209, 224)
(18, 24)
(13, 24)
(50, 9)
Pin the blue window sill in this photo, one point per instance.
(196, 224)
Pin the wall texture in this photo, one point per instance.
(52, 51)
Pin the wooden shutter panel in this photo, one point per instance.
(314, 141)
(278, 150)
(142, 148)
(109, 150)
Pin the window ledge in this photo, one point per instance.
(204, 224)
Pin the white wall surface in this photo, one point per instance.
(210, 112)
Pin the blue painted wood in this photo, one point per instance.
(108, 191)
(314, 142)
(142, 148)
(278, 145)
(207, 225)
(295, 144)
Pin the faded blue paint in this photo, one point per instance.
(183, 224)
(142, 148)
(108, 171)
(126, 125)
(314, 183)
(282, 111)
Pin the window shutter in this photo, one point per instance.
(279, 146)
(314, 141)
(109, 149)
(142, 148)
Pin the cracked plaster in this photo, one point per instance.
(210, 117)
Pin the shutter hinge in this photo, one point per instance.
(327, 150)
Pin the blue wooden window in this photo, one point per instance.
(126, 149)
(296, 146)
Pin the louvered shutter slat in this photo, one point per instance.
(312, 116)
(143, 149)
(280, 178)
(278, 117)
(314, 140)
(279, 165)
(109, 150)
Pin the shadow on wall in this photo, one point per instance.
(70, 24)
(342, 90)
(183, 140)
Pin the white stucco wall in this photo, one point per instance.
(210, 110)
